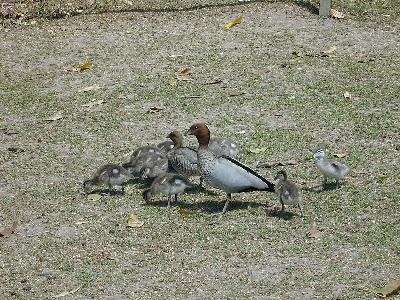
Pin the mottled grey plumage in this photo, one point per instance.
(182, 159)
(224, 147)
(168, 184)
(166, 146)
(287, 191)
(330, 168)
(110, 175)
(155, 165)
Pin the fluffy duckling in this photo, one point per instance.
(182, 159)
(167, 184)
(154, 166)
(145, 160)
(287, 191)
(165, 147)
(110, 175)
(223, 172)
(330, 168)
(224, 147)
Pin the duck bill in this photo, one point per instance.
(189, 132)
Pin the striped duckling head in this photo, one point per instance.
(177, 138)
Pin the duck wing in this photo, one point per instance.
(234, 177)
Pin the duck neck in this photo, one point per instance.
(178, 143)
(203, 138)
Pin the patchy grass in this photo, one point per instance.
(291, 106)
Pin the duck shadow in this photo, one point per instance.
(277, 213)
(312, 8)
(196, 189)
(322, 187)
(107, 192)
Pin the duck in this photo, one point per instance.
(142, 160)
(224, 172)
(165, 146)
(224, 147)
(287, 192)
(111, 175)
(330, 168)
(168, 184)
(182, 159)
(155, 165)
(144, 150)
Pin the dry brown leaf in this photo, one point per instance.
(213, 81)
(233, 23)
(390, 289)
(314, 232)
(66, 293)
(154, 109)
(276, 164)
(55, 117)
(133, 221)
(337, 14)
(236, 93)
(329, 52)
(347, 95)
(257, 150)
(183, 75)
(185, 212)
(94, 197)
(362, 57)
(94, 87)
(80, 68)
(15, 150)
(298, 54)
(93, 103)
(8, 231)
(339, 155)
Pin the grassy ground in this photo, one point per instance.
(292, 105)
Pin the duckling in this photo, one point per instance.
(223, 172)
(167, 184)
(110, 175)
(182, 159)
(330, 168)
(224, 147)
(145, 160)
(287, 191)
(143, 151)
(156, 165)
(165, 147)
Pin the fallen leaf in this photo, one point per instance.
(313, 232)
(90, 88)
(337, 14)
(257, 150)
(233, 23)
(133, 221)
(347, 95)
(382, 178)
(185, 212)
(339, 155)
(66, 293)
(81, 222)
(8, 132)
(15, 149)
(214, 81)
(276, 164)
(154, 109)
(390, 289)
(362, 57)
(94, 197)
(183, 75)
(80, 68)
(236, 93)
(93, 103)
(298, 54)
(55, 117)
(329, 52)
(7, 232)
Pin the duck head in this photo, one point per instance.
(176, 137)
(281, 175)
(201, 132)
(88, 185)
(147, 195)
(319, 154)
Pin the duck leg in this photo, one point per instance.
(301, 210)
(228, 198)
(201, 181)
(283, 205)
(337, 183)
(169, 201)
(110, 189)
(176, 198)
